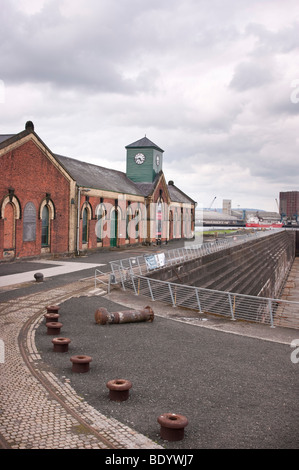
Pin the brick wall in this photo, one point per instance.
(31, 175)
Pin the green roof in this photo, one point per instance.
(144, 143)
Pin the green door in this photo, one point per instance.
(113, 231)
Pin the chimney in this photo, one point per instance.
(29, 126)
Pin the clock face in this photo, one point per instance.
(158, 160)
(139, 158)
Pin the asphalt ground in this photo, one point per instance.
(237, 392)
(101, 258)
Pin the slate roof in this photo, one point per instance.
(98, 177)
(144, 142)
(4, 137)
(176, 195)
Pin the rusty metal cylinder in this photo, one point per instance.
(172, 426)
(102, 316)
(80, 364)
(61, 344)
(52, 308)
(53, 328)
(119, 389)
(51, 317)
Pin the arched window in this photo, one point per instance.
(159, 218)
(29, 222)
(137, 217)
(9, 227)
(10, 211)
(45, 226)
(85, 226)
(128, 220)
(101, 213)
(115, 217)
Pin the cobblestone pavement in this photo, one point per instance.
(36, 409)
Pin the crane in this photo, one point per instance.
(212, 202)
(277, 204)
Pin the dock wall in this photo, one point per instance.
(258, 267)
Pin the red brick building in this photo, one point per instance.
(52, 204)
(289, 205)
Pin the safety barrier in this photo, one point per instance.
(131, 274)
(144, 264)
(273, 312)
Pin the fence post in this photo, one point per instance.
(231, 306)
(132, 279)
(121, 278)
(150, 289)
(171, 294)
(139, 266)
(198, 301)
(271, 313)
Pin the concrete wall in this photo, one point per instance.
(258, 267)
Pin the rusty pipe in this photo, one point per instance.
(102, 316)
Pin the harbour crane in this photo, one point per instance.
(212, 203)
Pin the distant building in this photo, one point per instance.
(227, 207)
(51, 204)
(208, 217)
(289, 205)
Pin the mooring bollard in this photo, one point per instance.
(39, 277)
(51, 317)
(61, 344)
(102, 316)
(80, 363)
(119, 389)
(53, 328)
(172, 426)
(53, 308)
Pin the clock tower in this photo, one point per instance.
(144, 161)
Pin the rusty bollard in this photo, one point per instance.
(102, 316)
(172, 426)
(53, 328)
(119, 389)
(51, 317)
(80, 363)
(52, 309)
(61, 344)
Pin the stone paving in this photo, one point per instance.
(36, 409)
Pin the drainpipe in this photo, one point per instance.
(78, 219)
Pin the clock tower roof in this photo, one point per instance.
(144, 143)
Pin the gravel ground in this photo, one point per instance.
(236, 392)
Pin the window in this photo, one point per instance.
(137, 220)
(29, 223)
(128, 225)
(85, 226)
(9, 227)
(45, 226)
(100, 223)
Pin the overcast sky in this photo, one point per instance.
(215, 83)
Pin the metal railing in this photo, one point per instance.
(131, 274)
(101, 281)
(273, 312)
(144, 264)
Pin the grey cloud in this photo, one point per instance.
(208, 81)
(281, 41)
(250, 75)
(48, 48)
